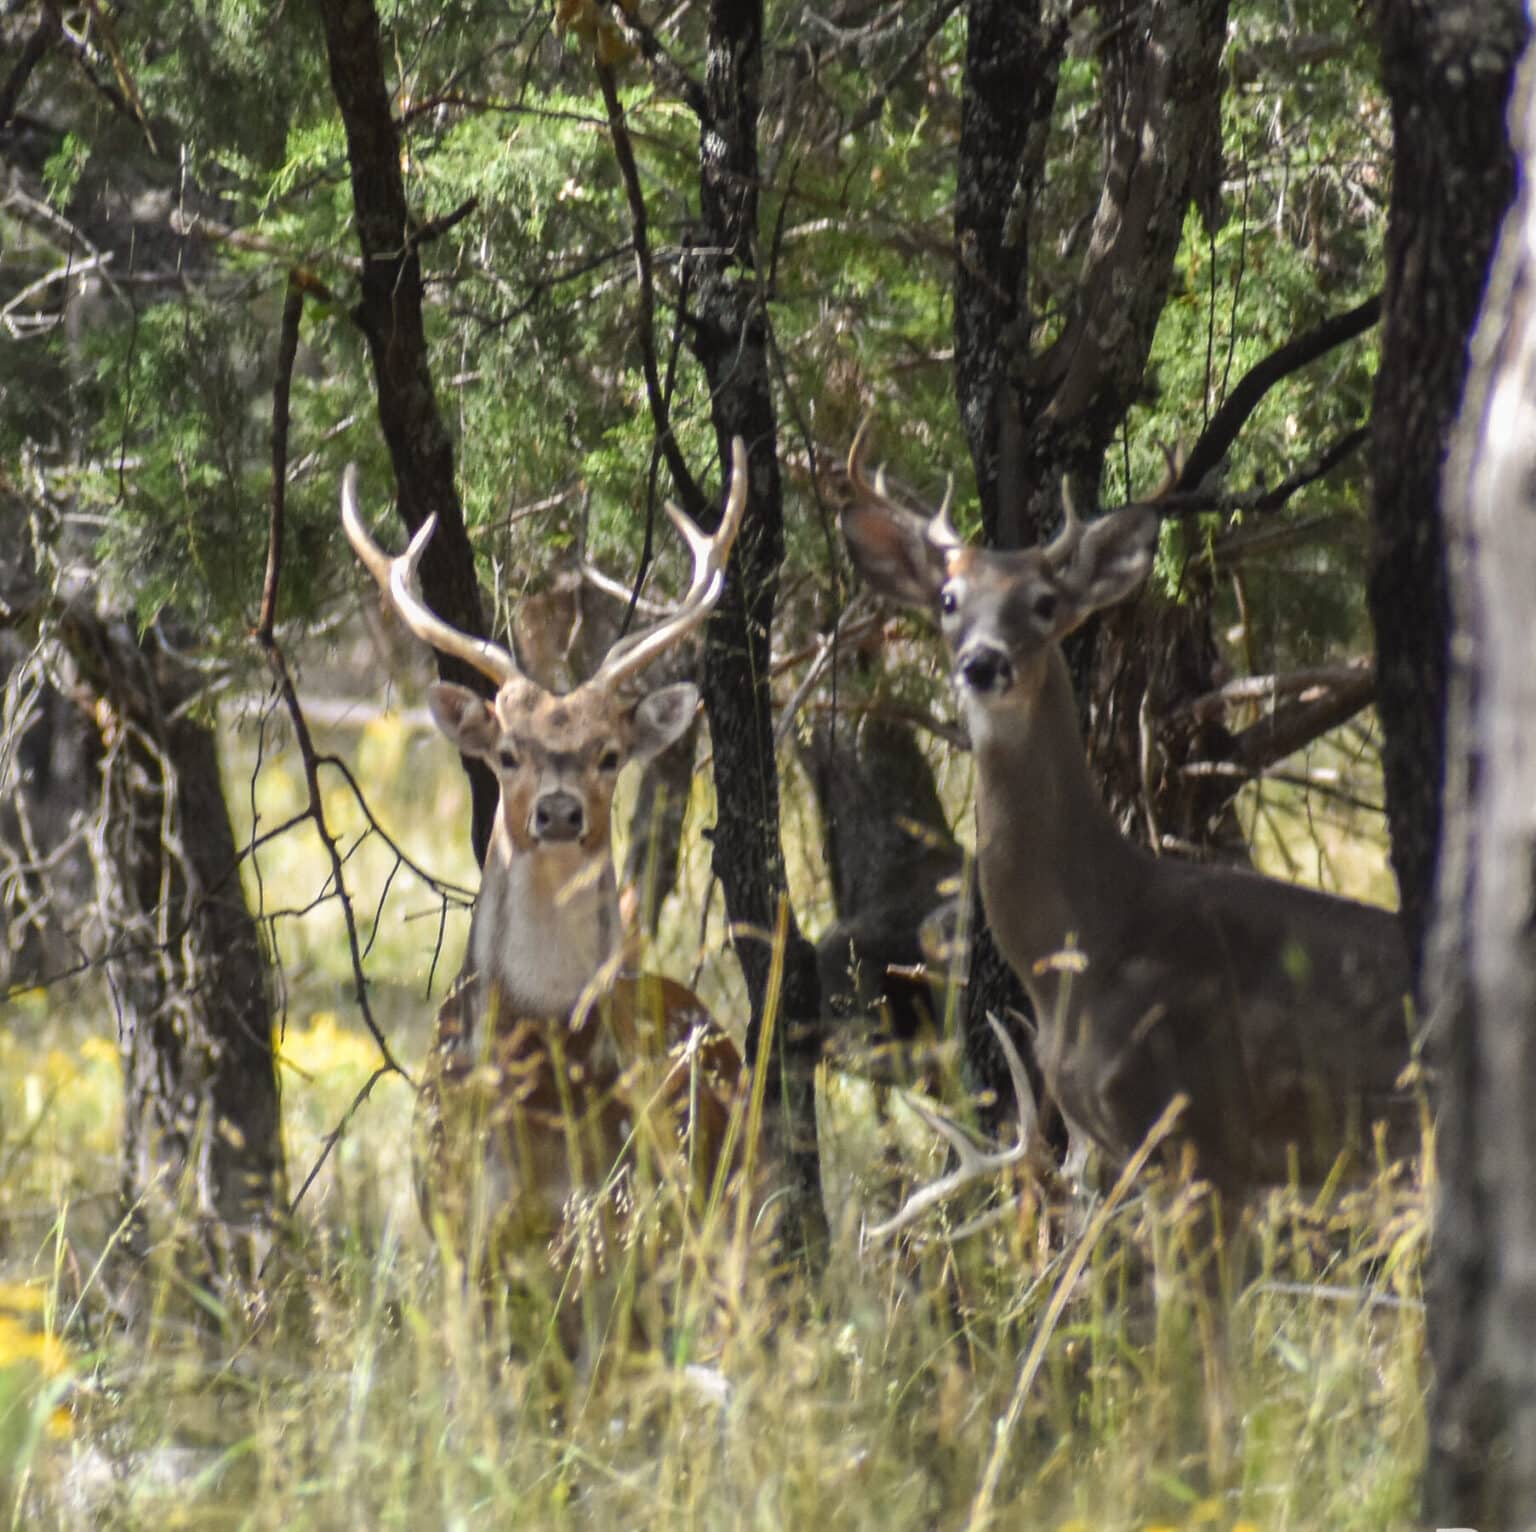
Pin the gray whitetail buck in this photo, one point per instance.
(1281, 1013)
(558, 1081)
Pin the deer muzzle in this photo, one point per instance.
(985, 669)
(558, 816)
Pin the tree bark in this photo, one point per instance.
(729, 335)
(389, 313)
(1480, 970)
(184, 958)
(893, 862)
(1447, 71)
(1033, 418)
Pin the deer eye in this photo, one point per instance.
(1045, 606)
(609, 761)
(507, 758)
(949, 602)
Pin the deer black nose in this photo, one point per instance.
(985, 669)
(558, 816)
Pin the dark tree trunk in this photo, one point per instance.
(1480, 960)
(1032, 419)
(184, 959)
(730, 338)
(1012, 64)
(1446, 70)
(892, 859)
(389, 313)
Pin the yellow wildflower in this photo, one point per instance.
(23, 1297)
(18, 1343)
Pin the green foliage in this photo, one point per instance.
(64, 167)
(532, 302)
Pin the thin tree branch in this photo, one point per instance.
(1260, 688)
(283, 678)
(437, 227)
(33, 51)
(287, 351)
(1195, 502)
(694, 501)
(664, 68)
(1240, 404)
(335, 1135)
(870, 112)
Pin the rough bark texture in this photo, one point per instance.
(1446, 68)
(1012, 64)
(184, 959)
(389, 313)
(51, 760)
(1033, 418)
(1480, 968)
(729, 335)
(893, 862)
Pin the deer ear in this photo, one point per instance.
(890, 549)
(662, 718)
(464, 716)
(1112, 558)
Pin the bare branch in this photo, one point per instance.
(32, 54)
(1291, 683)
(694, 500)
(282, 677)
(287, 351)
(1240, 404)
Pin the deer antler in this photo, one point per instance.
(974, 1163)
(634, 653)
(939, 530)
(396, 577)
(1061, 547)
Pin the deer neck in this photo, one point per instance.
(1055, 870)
(545, 923)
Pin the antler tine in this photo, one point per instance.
(396, 577)
(975, 1164)
(710, 552)
(938, 529)
(941, 530)
(1064, 544)
(856, 448)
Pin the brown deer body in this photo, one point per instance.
(557, 1081)
(1278, 1011)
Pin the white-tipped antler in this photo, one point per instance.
(975, 1164)
(938, 529)
(941, 530)
(1061, 547)
(710, 553)
(396, 577)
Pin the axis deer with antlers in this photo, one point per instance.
(1279, 1012)
(558, 1082)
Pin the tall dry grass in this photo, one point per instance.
(363, 1384)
